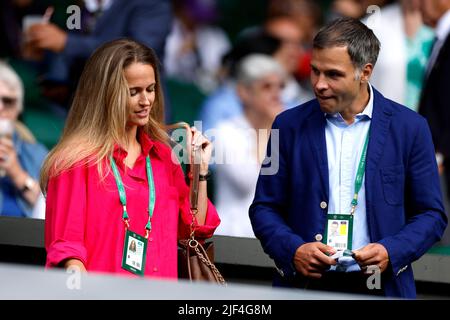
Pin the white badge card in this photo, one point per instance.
(134, 253)
(339, 231)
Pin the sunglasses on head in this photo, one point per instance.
(8, 102)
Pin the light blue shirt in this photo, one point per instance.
(344, 148)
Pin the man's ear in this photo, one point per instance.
(366, 72)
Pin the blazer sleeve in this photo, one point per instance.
(426, 218)
(66, 217)
(268, 212)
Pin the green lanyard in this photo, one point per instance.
(123, 196)
(360, 174)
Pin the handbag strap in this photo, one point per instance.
(193, 197)
(203, 256)
(194, 176)
(194, 171)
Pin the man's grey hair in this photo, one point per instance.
(362, 44)
(10, 78)
(256, 66)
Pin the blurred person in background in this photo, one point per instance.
(240, 142)
(400, 73)
(308, 15)
(11, 15)
(286, 29)
(346, 8)
(279, 37)
(195, 45)
(147, 21)
(356, 9)
(21, 157)
(435, 98)
(224, 102)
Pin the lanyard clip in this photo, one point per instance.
(125, 217)
(352, 210)
(127, 223)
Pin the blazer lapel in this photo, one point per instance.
(381, 120)
(315, 131)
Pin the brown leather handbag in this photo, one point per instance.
(196, 260)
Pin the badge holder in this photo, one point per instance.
(134, 253)
(339, 231)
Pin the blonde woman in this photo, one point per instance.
(111, 179)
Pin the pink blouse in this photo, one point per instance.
(84, 216)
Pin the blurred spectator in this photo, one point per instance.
(241, 141)
(347, 8)
(434, 102)
(11, 15)
(308, 15)
(195, 46)
(224, 103)
(291, 36)
(355, 8)
(9, 30)
(147, 21)
(21, 156)
(399, 73)
(282, 39)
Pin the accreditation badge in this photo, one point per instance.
(339, 231)
(134, 253)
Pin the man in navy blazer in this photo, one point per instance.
(398, 214)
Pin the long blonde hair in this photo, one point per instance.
(99, 112)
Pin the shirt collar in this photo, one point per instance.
(147, 145)
(366, 113)
(443, 26)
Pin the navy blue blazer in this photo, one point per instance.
(405, 212)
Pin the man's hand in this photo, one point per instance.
(373, 254)
(47, 36)
(311, 259)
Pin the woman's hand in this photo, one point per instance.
(205, 146)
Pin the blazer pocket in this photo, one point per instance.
(393, 180)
